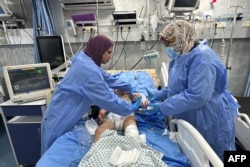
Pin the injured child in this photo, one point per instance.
(116, 122)
(113, 149)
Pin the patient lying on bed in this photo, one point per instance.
(75, 147)
(117, 122)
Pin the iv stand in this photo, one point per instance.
(231, 36)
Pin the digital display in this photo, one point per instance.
(182, 5)
(1, 10)
(185, 3)
(27, 80)
(51, 50)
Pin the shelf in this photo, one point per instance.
(25, 119)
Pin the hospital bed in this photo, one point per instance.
(179, 144)
(242, 123)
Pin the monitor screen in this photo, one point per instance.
(51, 50)
(1, 10)
(185, 3)
(28, 82)
(182, 5)
(4, 11)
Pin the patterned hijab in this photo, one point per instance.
(178, 35)
(96, 47)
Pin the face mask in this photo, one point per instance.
(171, 53)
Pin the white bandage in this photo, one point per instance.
(124, 158)
(131, 130)
(91, 126)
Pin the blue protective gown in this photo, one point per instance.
(196, 92)
(84, 84)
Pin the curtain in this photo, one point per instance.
(247, 91)
(42, 22)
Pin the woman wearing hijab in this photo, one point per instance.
(196, 90)
(85, 83)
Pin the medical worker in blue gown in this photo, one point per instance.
(196, 90)
(85, 83)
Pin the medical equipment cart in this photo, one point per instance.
(22, 123)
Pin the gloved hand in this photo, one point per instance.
(152, 99)
(144, 100)
(131, 92)
(156, 106)
(151, 95)
(136, 104)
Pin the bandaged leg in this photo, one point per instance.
(131, 130)
(130, 127)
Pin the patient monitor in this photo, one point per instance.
(51, 50)
(29, 82)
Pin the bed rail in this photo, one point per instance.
(164, 74)
(193, 145)
(242, 123)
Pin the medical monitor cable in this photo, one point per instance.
(84, 36)
(123, 49)
(76, 41)
(114, 50)
(125, 58)
(213, 34)
(124, 43)
(67, 36)
(158, 37)
(8, 40)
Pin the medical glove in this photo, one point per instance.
(136, 104)
(155, 106)
(131, 92)
(152, 99)
(151, 95)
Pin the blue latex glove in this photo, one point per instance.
(156, 106)
(131, 92)
(151, 95)
(153, 99)
(136, 104)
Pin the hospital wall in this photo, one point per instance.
(20, 50)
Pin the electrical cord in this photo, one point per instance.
(67, 36)
(124, 43)
(158, 37)
(83, 36)
(76, 41)
(114, 50)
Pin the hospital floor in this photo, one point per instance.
(6, 155)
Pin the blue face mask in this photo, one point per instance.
(171, 53)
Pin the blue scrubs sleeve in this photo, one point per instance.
(200, 81)
(99, 93)
(162, 94)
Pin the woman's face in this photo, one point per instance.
(107, 55)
